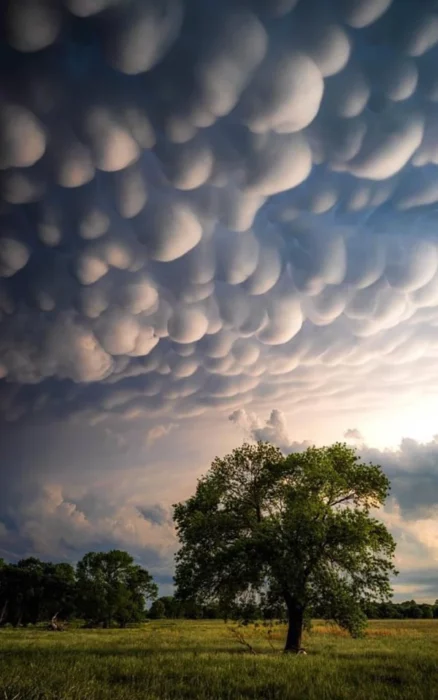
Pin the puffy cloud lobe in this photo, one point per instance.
(168, 228)
(138, 34)
(90, 269)
(285, 97)
(348, 93)
(188, 165)
(325, 40)
(387, 147)
(234, 45)
(74, 352)
(112, 146)
(279, 163)
(130, 192)
(33, 24)
(13, 256)
(187, 325)
(66, 349)
(22, 138)
(361, 13)
(204, 205)
(140, 296)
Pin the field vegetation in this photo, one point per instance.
(206, 660)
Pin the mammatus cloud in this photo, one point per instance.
(204, 205)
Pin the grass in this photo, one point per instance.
(191, 660)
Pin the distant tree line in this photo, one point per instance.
(104, 589)
(108, 589)
(171, 608)
(408, 610)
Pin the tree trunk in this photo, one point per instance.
(295, 627)
(3, 612)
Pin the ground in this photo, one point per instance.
(191, 660)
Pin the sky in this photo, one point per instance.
(218, 222)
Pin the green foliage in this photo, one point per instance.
(105, 588)
(111, 588)
(296, 528)
(426, 612)
(33, 590)
(157, 610)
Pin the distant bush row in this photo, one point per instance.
(108, 589)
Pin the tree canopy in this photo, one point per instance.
(105, 588)
(296, 529)
(32, 590)
(111, 588)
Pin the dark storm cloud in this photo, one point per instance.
(421, 581)
(156, 514)
(201, 202)
(64, 522)
(413, 471)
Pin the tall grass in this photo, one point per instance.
(185, 660)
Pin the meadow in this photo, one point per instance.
(194, 660)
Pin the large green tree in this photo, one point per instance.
(297, 529)
(112, 588)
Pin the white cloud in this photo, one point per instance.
(274, 429)
(353, 434)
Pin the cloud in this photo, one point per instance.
(238, 221)
(274, 429)
(156, 514)
(214, 206)
(412, 469)
(159, 431)
(52, 523)
(353, 434)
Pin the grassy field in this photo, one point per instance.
(185, 660)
